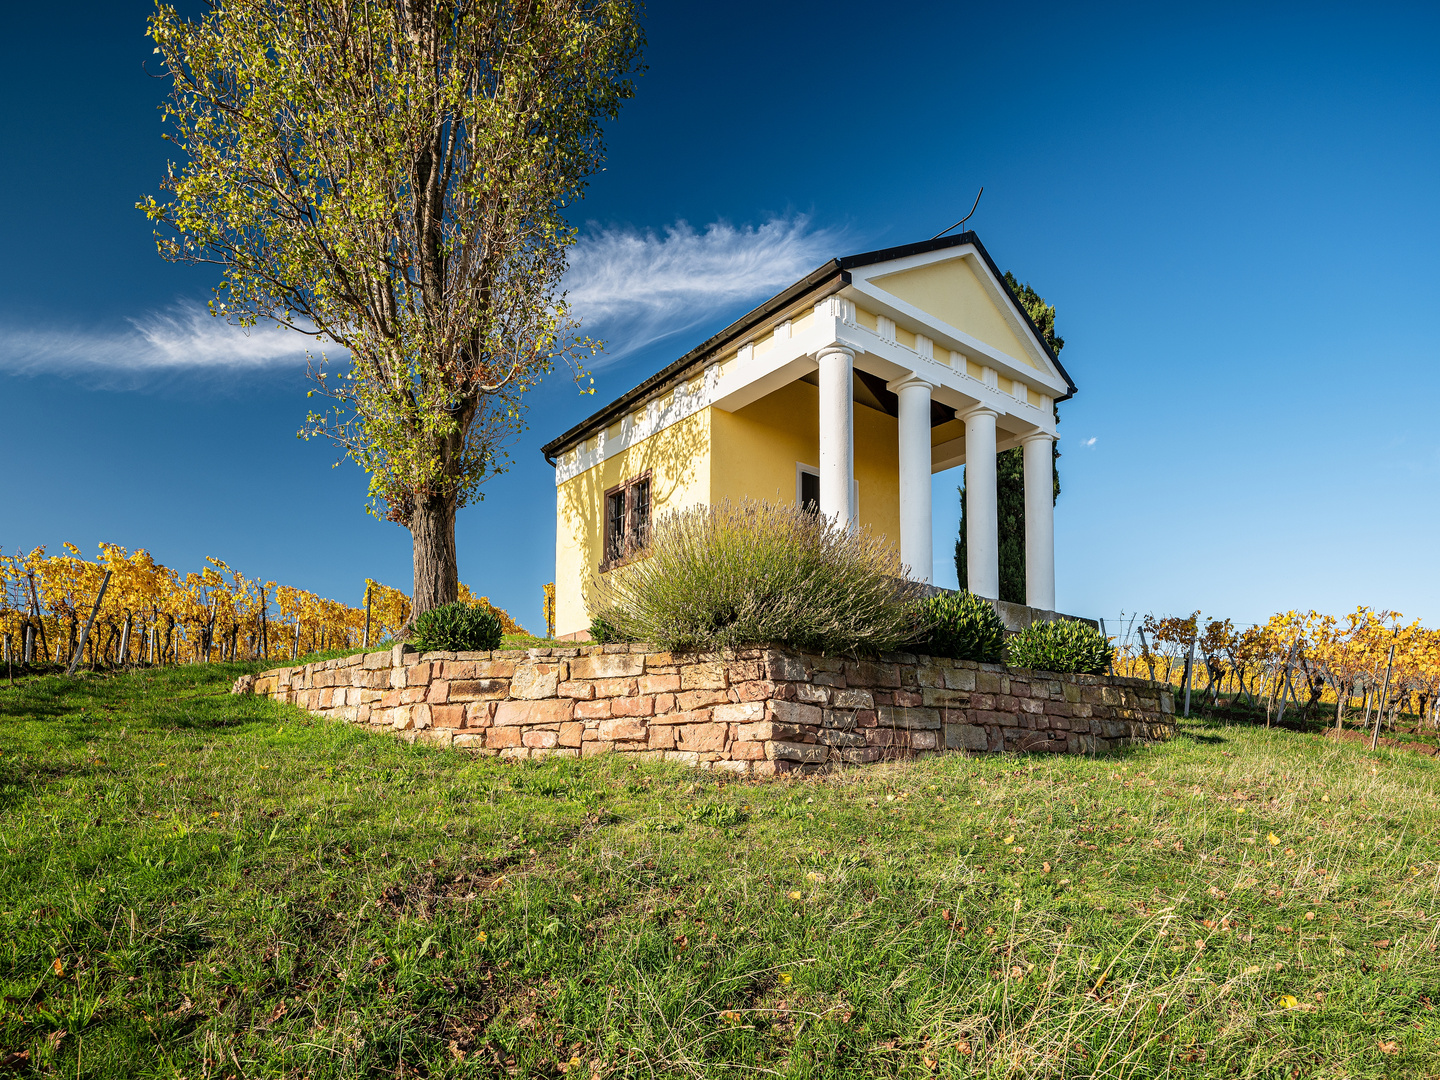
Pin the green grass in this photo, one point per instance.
(205, 886)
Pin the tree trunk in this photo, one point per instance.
(437, 579)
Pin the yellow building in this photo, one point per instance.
(848, 389)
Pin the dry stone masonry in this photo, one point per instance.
(757, 711)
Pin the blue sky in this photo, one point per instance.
(1233, 209)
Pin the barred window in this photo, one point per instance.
(627, 520)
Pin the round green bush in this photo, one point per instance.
(1064, 646)
(964, 626)
(457, 628)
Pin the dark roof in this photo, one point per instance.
(835, 269)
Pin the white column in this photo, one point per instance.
(1040, 521)
(982, 536)
(837, 434)
(915, 542)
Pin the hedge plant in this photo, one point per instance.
(457, 628)
(1064, 646)
(736, 574)
(964, 626)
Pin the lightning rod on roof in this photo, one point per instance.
(962, 221)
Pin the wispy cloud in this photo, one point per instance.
(634, 287)
(184, 337)
(1088, 444)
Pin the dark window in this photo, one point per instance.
(810, 492)
(639, 514)
(627, 520)
(614, 525)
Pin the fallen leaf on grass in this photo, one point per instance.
(1383, 943)
(1288, 1001)
(53, 1039)
(1388, 1047)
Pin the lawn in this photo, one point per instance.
(199, 885)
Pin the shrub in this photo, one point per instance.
(964, 626)
(1063, 646)
(458, 628)
(731, 575)
(604, 630)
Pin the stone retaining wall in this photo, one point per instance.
(760, 711)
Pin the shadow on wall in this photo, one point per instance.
(678, 460)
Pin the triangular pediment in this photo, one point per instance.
(952, 291)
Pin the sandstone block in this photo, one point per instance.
(580, 691)
(623, 729)
(534, 681)
(439, 692)
(514, 713)
(739, 767)
(478, 714)
(571, 734)
(751, 691)
(812, 693)
(747, 751)
(420, 716)
(632, 706)
(832, 737)
(662, 737)
(859, 755)
(964, 737)
(839, 719)
(436, 736)
(660, 684)
(590, 749)
(766, 730)
(607, 665)
(868, 673)
(852, 698)
(479, 690)
(499, 738)
(447, 716)
(747, 712)
(959, 678)
(924, 740)
(795, 712)
(909, 718)
(693, 716)
(417, 675)
(701, 737)
(610, 688)
(540, 739)
(805, 753)
(786, 666)
(375, 661)
(707, 676)
(943, 698)
(699, 699)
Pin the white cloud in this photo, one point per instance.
(635, 287)
(629, 286)
(1088, 444)
(184, 337)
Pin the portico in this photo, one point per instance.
(922, 347)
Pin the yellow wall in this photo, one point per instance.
(950, 291)
(756, 448)
(679, 460)
(714, 455)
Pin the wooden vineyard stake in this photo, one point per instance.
(367, 615)
(1190, 669)
(90, 622)
(1384, 693)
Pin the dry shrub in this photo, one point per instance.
(732, 575)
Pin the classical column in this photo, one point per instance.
(837, 434)
(982, 537)
(915, 542)
(1040, 521)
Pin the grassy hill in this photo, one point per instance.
(205, 886)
